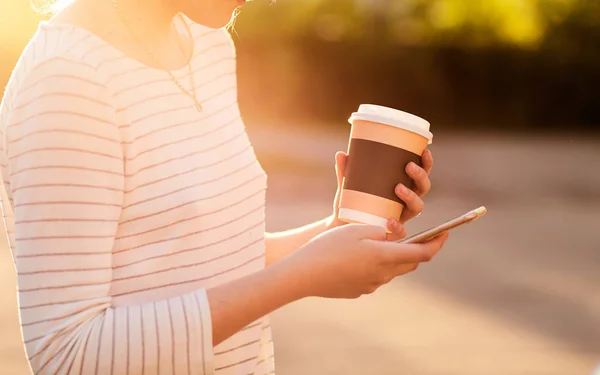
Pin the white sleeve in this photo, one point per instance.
(64, 179)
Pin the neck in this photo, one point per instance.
(135, 27)
(151, 18)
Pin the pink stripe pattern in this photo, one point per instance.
(123, 205)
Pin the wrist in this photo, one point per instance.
(294, 277)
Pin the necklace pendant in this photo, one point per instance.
(198, 106)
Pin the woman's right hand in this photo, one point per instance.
(353, 260)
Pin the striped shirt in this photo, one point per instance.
(122, 204)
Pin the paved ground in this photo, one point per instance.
(517, 293)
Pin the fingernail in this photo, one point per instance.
(391, 223)
(402, 189)
(413, 166)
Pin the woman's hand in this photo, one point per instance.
(414, 203)
(355, 259)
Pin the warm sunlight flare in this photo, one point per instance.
(184, 186)
(519, 22)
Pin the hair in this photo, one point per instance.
(49, 6)
(231, 25)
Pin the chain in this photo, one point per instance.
(158, 62)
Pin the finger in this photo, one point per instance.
(386, 279)
(443, 238)
(403, 269)
(397, 229)
(414, 203)
(435, 244)
(340, 166)
(427, 160)
(421, 178)
(412, 253)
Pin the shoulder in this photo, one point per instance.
(58, 50)
(51, 79)
(55, 60)
(214, 60)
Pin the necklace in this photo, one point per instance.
(158, 62)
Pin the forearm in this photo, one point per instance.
(281, 244)
(236, 304)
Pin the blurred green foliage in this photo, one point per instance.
(523, 23)
(481, 64)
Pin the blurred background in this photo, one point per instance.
(511, 88)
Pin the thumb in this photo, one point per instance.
(367, 232)
(416, 253)
(340, 166)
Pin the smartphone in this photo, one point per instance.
(430, 234)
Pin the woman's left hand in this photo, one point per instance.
(414, 203)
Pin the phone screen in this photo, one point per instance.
(431, 233)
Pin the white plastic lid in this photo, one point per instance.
(393, 117)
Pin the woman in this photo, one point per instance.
(134, 203)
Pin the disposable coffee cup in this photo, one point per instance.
(383, 141)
